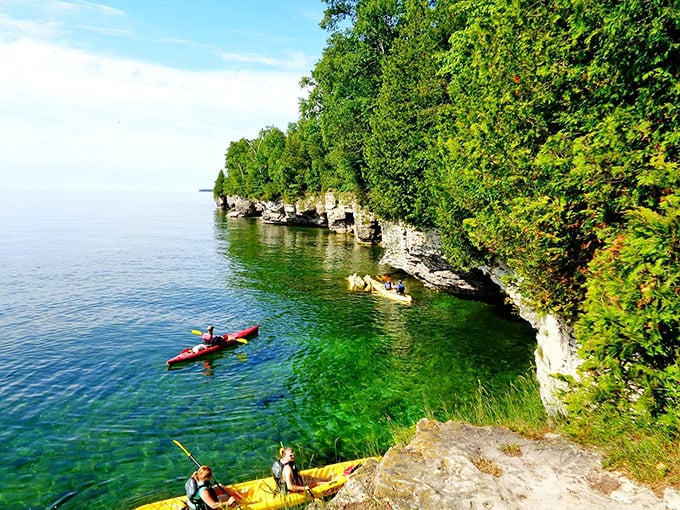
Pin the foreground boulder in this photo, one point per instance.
(454, 466)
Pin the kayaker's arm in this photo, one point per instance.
(290, 483)
(233, 495)
(213, 503)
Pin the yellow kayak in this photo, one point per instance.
(391, 294)
(262, 495)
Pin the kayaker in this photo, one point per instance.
(200, 494)
(388, 285)
(209, 339)
(400, 288)
(286, 473)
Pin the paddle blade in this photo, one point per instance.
(181, 447)
(242, 340)
(196, 332)
(186, 452)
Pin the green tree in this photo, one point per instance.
(252, 165)
(630, 332)
(347, 81)
(317, 165)
(294, 165)
(219, 184)
(554, 132)
(270, 147)
(402, 152)
(320, 176)
(238, 161)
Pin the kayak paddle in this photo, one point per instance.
(186, 452)
(200, 333)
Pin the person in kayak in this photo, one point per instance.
(209, 339)
(286, 473)
(201, 495)
(400, 288)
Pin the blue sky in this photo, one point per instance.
(145, 94)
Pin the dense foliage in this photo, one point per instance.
(631, 324)
(542, 134)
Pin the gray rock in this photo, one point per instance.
(239, 207)
(455, 466)
(419, 253)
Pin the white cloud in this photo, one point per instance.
(83, 5)
(295, 61)
(77, 118)
(70, 118)
(69, 7)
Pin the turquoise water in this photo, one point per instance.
(99, 290)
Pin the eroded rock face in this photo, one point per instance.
(454, 466)
(367, 229)
(339, 213)
(419, 253)
(240, 207)
(556, 354)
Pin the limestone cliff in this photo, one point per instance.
(419, 253)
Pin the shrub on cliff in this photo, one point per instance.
(630, 331)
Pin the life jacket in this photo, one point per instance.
(277, 471)
(207, 337)
(193, 491)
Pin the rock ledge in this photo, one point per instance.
(454, 466)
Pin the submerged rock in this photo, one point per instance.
(356, 282)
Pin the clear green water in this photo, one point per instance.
(89, 410)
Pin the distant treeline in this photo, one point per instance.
(540, 133)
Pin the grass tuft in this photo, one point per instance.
(487, 466)
(642, 451)
(518, 408)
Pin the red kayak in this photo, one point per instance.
(189, 353)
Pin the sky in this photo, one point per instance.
(145, 94)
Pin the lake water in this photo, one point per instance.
(100, 289)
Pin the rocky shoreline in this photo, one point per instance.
(454, 465)
(419, 254)
(415, 252)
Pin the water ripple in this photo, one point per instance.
(88, 409)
